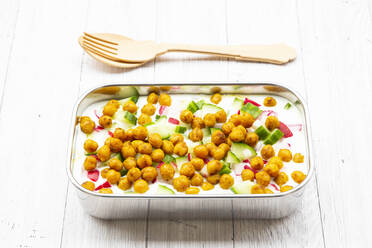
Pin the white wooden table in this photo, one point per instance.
(43, 70)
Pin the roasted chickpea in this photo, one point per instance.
(149, 173)
(214, 166)
(115, 164)
(197, 122)
(257, 189)
(133, 174)
(213, 179)
(272, 122)
(257, 163)
(237, 134)
(211, 147)
(207, 186)
(109, 109)
(148, 109)
(155, 140)
(90, 146)
(226, 181)
(136, 144)
(285, 155)
(251, 139)
(268, 191)
(152, 98)
(272, 169)
(201, 151)
(130, 106)
(104, 153)
(216, 98)
(144, 119)
(241, 129)
(224, 147)
(105, 121)
(115, 145)
(176, 138)
(124, 183)
(140, 186)
(209, 120)
(130, 163)
(247, 175)
(235, 119)
(298, 158)
(298, 176)
(119, 133)
(165, 99)
(276, 160)
(181, 183)
(167, 171)
(198, 163)
(144, 160)
(285, 188)
(263, 178)
(221, 116)
(129, 134)
(140, 133)
(227, 128)
(181, 149)
(113, 176)
(228, 141)
(197, 180)
(105, 191)
(269, 101)
(145, 148)
(196, 134)
(128, 151)
(87, 125)
(246, 120)
(157, 155)
(218, 137)
(167, 147)
(186, 116)
(281, 179)
(154, 89)
(88, 185)
(104, 172)
(267, 152)
(218, 154)
(187, 169)
(192, 191)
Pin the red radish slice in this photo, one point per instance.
(247, 167)
(95, 155)
(246, 100)
(174, 164)
(160, 164)
(206, 161)
(295, 127)
(239, 112)
(98, 128)
(93, 175)
(173, 121)
(95, 113)
(285, 130)
(104, 185)
(110, 133)
(154, 181)
(189, 157)
(162, 109)
(246, 161)
(274, 186)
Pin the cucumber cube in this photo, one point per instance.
(262, 132)
(274, 137)
(251, 109)
(180, 129)
(192, 107)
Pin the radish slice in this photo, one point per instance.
(189, 157)
(160, 164)
(247, 167)
(95, 113)
(110, 133)
(162, 109)
(246, 100)
(274, 186)
(173, 121)
(104, 185)
(95, 155)
(98, 128)
(206, 161)
(285, 130)
(239, 112)
(295, 127)
(93, 175)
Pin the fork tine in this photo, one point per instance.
(95, 51)
(100, 39)
(102, 49)
(98, 43)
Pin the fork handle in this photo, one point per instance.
(275, 54)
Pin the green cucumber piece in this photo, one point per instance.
(236, 105)
(162, 127)
(242, 151)
(157, 117)
(130, 118)
(200, 104)
(262, 132)
(206, 136)
(208, 109)
(192, 107)
(134, 99)
(180, 129)
(91, 153)
(181, 160)
(232, 158)
(164, 190)
(118, 156)
(168, 159)
(123, 172)
(225, 168)
(251, 109)
(287, 106)
(274, 137)
(242, 188)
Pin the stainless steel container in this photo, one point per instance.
(194, 206)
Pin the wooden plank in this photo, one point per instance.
(336, 38)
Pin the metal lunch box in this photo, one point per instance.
(131, 206)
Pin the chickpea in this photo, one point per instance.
(237, 134)
(109, 109)
(140, 133)
(219, 154)
(113, 176)
(145, 148)
(197, 180)
(197, 122)
(165, 99)
(144, 160)
(214, 166)
(187, 169)
(104, 172)
(104, 153)
(186, 116)
(105, 191)
(221, 116)
(133, 174)
(148, 109)
(257, 163)
(105, 121)
(247, 120)
(157, 155)
(251, 139)
(241, 128)
(235, 119)
(130, 106)
(224, 147)
(285, 188)
(276, 160)
(196, 134)
(267, 152)
(176, 138)
(226, 181)
(149, 173)
(192, 191)
(201, 151)
(285, 155)
(152, 98)
(218, 137)
(129, 134)
(216, 98)
(128, 151)
(87, 125)
(298, 176)
(227, 128)
(144, 119)
(269, 101)
(136, 144)
(198, 163)
(140, 186)
(207, 186)
(115, 164)
(213, 179)
(115, 145)
(155, 140)
(181, 183)
(130, 163)
(298, 158)
(272, 122)
(181, 149)
(90, 146)
(268, 191)
(124, 183)
(209, 120)
(281, 179)
(167, 171)
(257, 189)
(211, 148)
(88, 185)
(272, 169)
(119, 133)
(263, 178)
(154, 89)
(228, 141)
(247, 175)
(167, 147)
